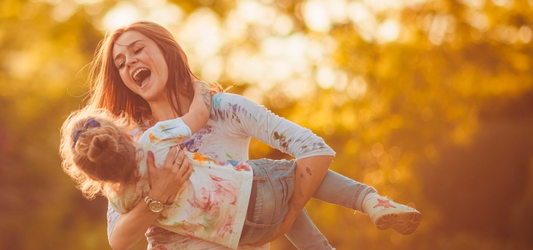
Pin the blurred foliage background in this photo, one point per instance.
(429, 101)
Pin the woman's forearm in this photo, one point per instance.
(165, 182)
(130, 227)
(309, 175)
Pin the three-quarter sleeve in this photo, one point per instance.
(252, 119)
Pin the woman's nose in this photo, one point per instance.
(131, 60)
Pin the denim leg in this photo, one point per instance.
(335, 189)
(341, 190)
(274, 182)
(304, 235)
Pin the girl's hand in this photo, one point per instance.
(167, 180)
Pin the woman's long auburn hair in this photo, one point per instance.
(109, 91)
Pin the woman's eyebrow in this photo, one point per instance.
(127, 46)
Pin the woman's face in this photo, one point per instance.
(141, 65)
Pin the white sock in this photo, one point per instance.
(367, 197)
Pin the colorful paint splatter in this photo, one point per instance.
(212, 205)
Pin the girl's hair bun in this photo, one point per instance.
(102, 146)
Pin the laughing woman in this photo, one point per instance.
(141, 72)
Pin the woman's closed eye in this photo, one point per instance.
(138, 50)
(121, 64)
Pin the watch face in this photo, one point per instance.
(156, 206)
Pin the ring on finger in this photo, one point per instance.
(176, 159)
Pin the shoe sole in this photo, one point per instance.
(404, 223)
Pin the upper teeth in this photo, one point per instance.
(136, 73)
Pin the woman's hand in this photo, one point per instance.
(167, 180)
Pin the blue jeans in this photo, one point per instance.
(272, 189)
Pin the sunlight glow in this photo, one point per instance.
(474, 4)
(359, 12)
(207, 42)
(159, 11)
(478, 20)
(212, 69)
(260, 44)
(283, 25)
(388, 31)
(506, 34)
(162, 12)
(508, 4)
(316, 16)
(341, 81)
(85, 2)
(250, 11)
(438, 26)
(364, 22)
(315, 51)
(298, 87)
(20, 64)
(374, 178)
(337, 10)
(63, 11)
(525, 34)
(234, 28)
(122, 14)
(383, 5)
(325, 76)
(357, 88)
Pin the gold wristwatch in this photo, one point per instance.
(155, 206)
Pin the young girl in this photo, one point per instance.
(218, 197)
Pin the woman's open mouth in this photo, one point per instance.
(141, 76)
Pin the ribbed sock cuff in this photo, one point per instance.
(363, 196)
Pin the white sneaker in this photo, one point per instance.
(386, 213)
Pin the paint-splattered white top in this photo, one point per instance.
(211, 205)
(234, 120)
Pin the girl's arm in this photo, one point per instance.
(200, 108)
(128, 228)
(169, 133)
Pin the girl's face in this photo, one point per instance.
(141, 65)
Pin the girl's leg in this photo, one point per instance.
(305, 235)
(384, 213)
(272, 189)
(341, 190)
